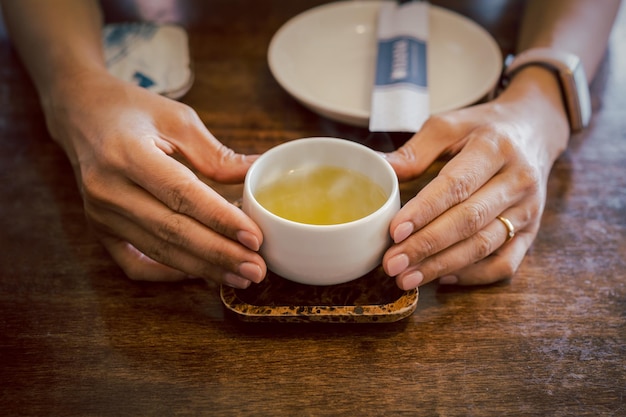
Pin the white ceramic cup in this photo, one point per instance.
(322, 254)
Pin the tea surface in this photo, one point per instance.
(322, 195)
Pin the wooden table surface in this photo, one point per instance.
(77, 338)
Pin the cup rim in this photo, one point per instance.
(323, 139)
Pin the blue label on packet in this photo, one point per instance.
(401, 60)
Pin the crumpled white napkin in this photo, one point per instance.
(400, 99)
(153, 56)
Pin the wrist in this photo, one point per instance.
(534, 94)
(567, 69)
(66, 99)
(68, 80)
(540, 86)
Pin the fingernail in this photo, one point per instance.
(251, 158)
(412, 280)
(235, 281)
(449, 280)
(251, 271)
(397, 264)
(403, 231)
(249, 240)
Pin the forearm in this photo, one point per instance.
(581, 27)
(55, 39)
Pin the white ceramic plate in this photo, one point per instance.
(325, 58)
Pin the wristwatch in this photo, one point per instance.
(571, 76)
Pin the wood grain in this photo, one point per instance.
(77, 338)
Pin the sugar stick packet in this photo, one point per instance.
(400, 100)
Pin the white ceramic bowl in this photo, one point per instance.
(322, 254)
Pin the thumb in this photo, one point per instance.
(437, 137)
(411, 159)
(222, 164)
(213, 159)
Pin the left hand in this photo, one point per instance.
(501, 155)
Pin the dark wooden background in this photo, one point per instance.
(79, 339)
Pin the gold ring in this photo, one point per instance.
(509, 228)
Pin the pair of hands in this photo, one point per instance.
(160, 222)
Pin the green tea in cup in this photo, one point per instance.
(322, 195)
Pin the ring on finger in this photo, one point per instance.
(509, 227)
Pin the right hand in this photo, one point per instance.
(152, 213)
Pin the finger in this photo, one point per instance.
(411, 160)
(471, 250)
(501, 265)
(460, 222)
(489, 249)
(183, 192)
(153, 259)
(175, 239)
(459, 179)
(438, 134)
(138, 266)
(196, 143)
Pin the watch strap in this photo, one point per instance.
(570, 74)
